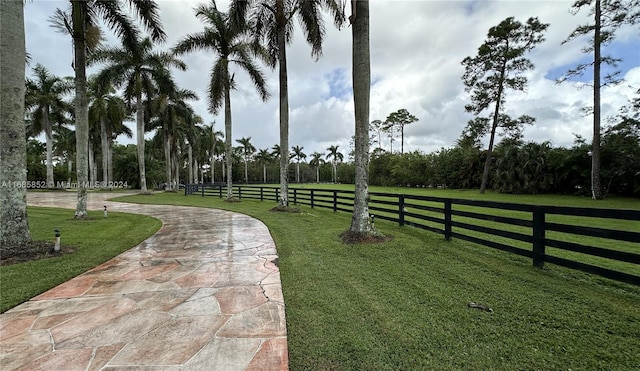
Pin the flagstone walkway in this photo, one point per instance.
(203, 293)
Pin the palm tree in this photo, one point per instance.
(361, 95)
(14, 227)
(274, 23)
(378, 127)
(139, 71)
(230, 44)
(299, 156)
(171, 111)
(109, 111)
(335, 157)
(79, 23)
(264, 157)
(65, 146)
(44, 96)
(246, 150)
(214, 149)
(316, 161)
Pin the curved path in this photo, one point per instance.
(203, 293)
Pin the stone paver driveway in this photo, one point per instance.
(203, 293)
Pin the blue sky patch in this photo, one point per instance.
(339, 85)
(628, 52)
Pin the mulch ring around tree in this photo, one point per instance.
(34, 250)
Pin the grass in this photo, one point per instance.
(96, 241)
(402, 304)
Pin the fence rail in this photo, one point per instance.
(541, 233)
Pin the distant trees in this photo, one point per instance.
(298, 155)
(608, 16)
(335, 157)
(397, 121)
(496, 68)
(316, 161)
(246, 150)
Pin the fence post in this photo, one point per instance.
(277, 194)
(261, 192)
(335, 201)
(312, 198)
(538, 237)
(401, 210)
(447, 220)
(239, 192)
(220, 190)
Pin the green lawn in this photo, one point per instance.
(96, 240)
(402, 305)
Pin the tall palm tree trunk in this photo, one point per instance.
(140, 143)
(167, 159)
(190, 163)
(361, 95)
(14, 226)
(212, 164)
(109, 158)
(92, 165)
(81, 106)
(284, 105)
(596, 187)
(104, 143)
(227, 140)
(48, 132)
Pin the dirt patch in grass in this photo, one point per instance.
(286, 209)
(34, 250)
(353, 238)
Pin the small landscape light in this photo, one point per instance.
(105, 211)
(56, 246)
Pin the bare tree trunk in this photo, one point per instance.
(190, 163)
(494, 126)
(140, 143)
(227, 140)
(284, 105)
(14, 225)
(110, 160)
(92, 167)
(246, 171)
(167, 166)
(104, 143)
(81, 106)
(361, 95)
(212, 163)
(596, 187)
(48, 132)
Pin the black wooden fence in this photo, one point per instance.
(538, 232)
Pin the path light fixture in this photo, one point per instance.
(56, 246)
(105, 211)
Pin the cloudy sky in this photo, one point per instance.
(416, 50)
